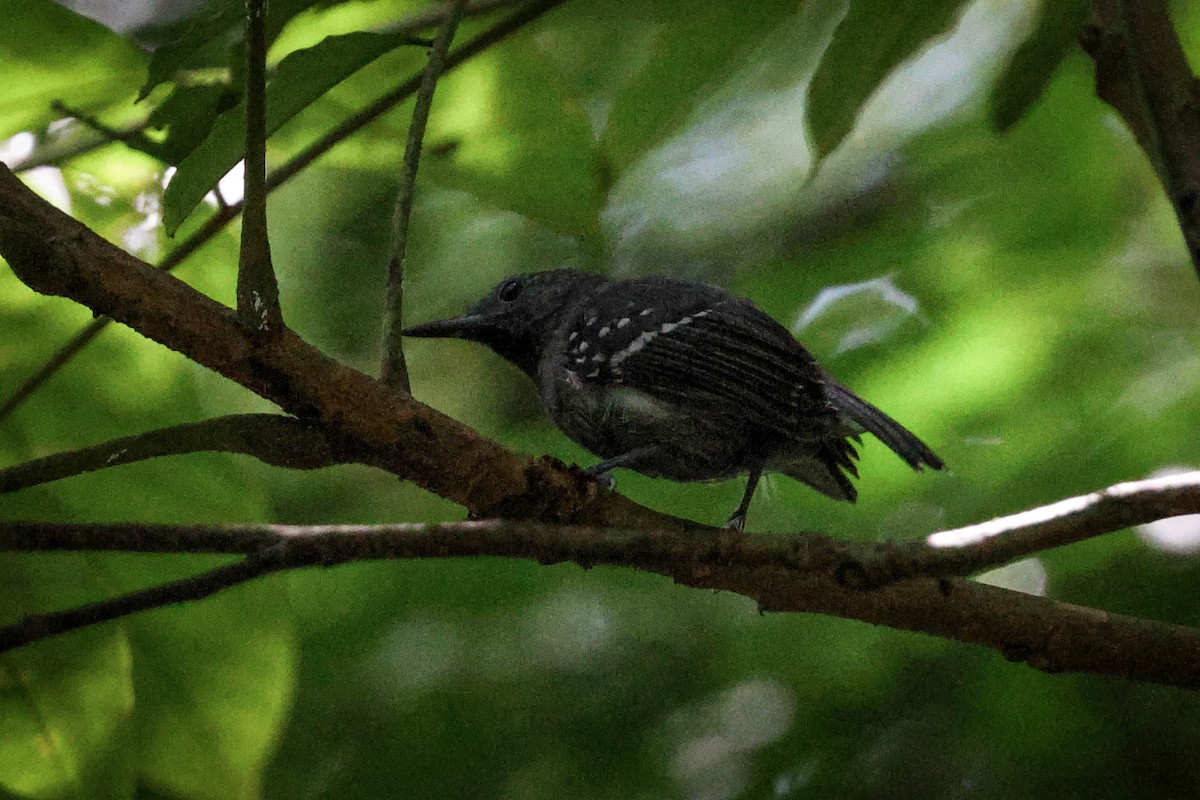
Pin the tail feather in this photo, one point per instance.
(901, 440)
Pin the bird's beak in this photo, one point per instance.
(464, 327)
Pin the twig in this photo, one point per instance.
(393, 371)
(799, 573)
(271, 438)
(257, 289)
(975, 548)
(43, 626)
(216, 223)
(1143, 73)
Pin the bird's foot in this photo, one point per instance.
(737, 522)
(604, 478)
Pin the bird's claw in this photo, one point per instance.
(606, 480)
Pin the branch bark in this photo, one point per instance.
(56, 255)
(802, 573)
(271, 438)
(257, 288)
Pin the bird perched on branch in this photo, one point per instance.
(678, 380)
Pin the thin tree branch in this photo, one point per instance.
(273, 439)
(216, 223)
(975, 548)
(257, 288)
(800, 573)
(393, 371)
(43, 626)
(1143, 73)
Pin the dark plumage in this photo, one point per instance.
(679, 380)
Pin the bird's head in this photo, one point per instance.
(518, 316)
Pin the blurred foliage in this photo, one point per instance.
(1023, 301)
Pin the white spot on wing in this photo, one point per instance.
(622, 322)
(634, 346)
(604, 331)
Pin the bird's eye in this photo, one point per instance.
(509, 291)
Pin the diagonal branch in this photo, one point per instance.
(257, 288)
(800, 573)
(393, 371)
(271, 438)
(56, 255)
(975, 548)
(298, 163)
(43, 626)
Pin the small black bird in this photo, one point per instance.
(678, 380)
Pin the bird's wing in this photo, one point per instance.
(700, 348)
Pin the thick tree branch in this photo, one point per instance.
(271, 438)
(54, 254)
(257, 288)
(1143, 73)
(393, 371)
(802, 573)
(298, 163)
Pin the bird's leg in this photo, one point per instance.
(738, 521)
(600, 471)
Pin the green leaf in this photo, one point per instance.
(639, 71)
(301, 78)
(187, 115)
(206, 38)
(502, 130)
(687, 50)
(65, 702)
(1036, 60)
(872, 40)
(52, 54)
(205, 34)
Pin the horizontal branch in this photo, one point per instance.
(803, 573)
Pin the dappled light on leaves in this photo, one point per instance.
(719, 738)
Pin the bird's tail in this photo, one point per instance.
(900, 439)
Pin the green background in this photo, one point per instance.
(1022, 300)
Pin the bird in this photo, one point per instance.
(678, 379)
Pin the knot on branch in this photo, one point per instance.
(553, 493)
